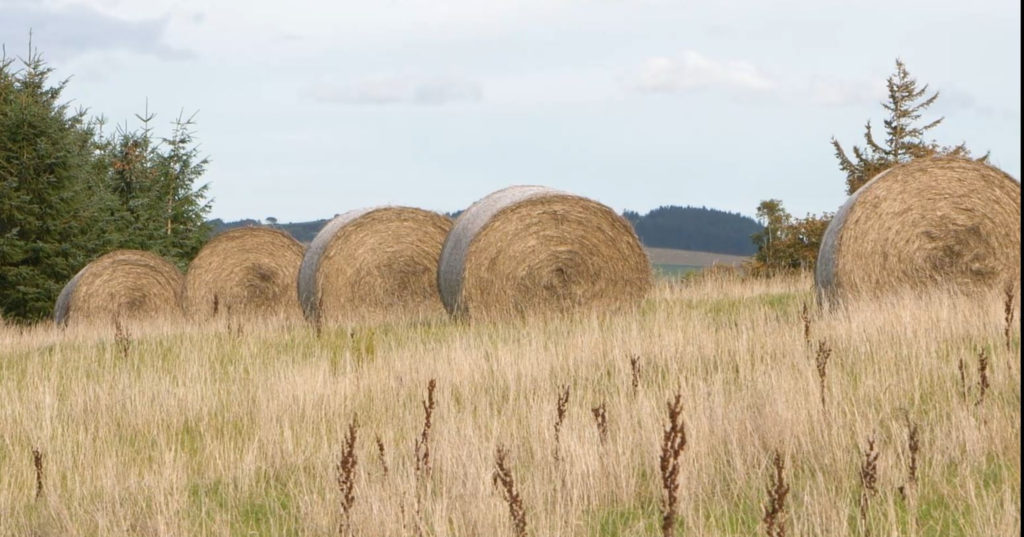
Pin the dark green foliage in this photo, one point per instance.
(684, 228)
(695, 228)
(153, 184)
(786, 243)
(52, 204)
(69, 195)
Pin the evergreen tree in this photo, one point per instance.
(53, 211)
(904, 136)
(184, 205)
(153, 182)
(69, 194)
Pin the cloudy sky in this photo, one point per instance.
(310, 108)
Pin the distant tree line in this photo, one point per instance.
(303, 232)
(70, 192)
(684, 228)
(695, 228)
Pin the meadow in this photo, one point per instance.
(890, 417)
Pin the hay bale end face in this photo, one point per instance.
(373, 264)
(125, 284)
(930, 223)
(529, 249)
(247, 271)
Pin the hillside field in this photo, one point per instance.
(669, 262)
(235, 428)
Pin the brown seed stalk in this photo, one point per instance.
(914, 446)
(601, 420)
(503, 480)
(868, 479)
(673, 441)
(821, 363)
(983, 384)
(346, 467)
(423, 468)
(560, 409)
(775, 510)
(1008, 294)
(634, 365)
(37, 461)
(380, 455)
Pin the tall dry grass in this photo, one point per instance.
(226, 430)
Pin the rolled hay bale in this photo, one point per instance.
(373, 264)
(248, 271)
(123, 284)
(530, 249)
(930, 223)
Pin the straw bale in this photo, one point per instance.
(529, 249)
(372, 264)
(126, 284)
(244, 271)
(931, 223)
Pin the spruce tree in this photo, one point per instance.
(154, 184)
(184, 205)
(52, 208)
(904, 135)
(69, 194)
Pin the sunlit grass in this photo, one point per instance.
(221, 430)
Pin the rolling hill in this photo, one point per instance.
(683, 236)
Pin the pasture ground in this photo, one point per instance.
(236, 428)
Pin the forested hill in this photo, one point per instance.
(695, 228)
(684, 228)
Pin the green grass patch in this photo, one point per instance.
(674, 271)
(623, 521)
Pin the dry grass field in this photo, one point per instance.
(670, 256)
(241, 429)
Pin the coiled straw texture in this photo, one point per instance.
(123, 284)
(374, 264)
(249, 271)
(928, 224)
(531, 249)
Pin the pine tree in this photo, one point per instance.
(904, 136)
(52, 210)
(69, 194)
(153, 182)
(184, 206)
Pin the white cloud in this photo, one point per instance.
(71, 30)
(838, 92)
(693, 71)
(956, 100)
(398, 89)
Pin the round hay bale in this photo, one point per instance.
(375, 263)
(530, 249)
(128, 284)
(935, 222)
(244, 271)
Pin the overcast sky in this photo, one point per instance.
(311, 108)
